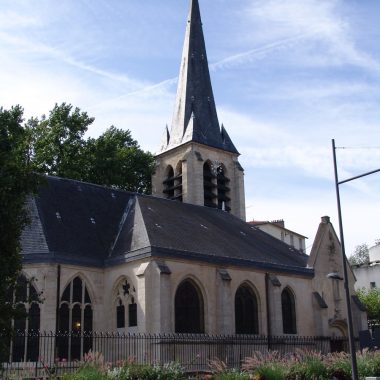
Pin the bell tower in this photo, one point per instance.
(197, 162)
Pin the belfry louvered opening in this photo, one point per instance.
(173, 183)
(209, 186)
(223, 190)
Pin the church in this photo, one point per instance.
(182, 260)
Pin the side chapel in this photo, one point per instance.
(182, 260)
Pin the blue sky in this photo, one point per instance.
(288, 76)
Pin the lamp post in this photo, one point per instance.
(351, 338)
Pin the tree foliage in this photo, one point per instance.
(371, 299)
(113, 159)
(360, 255)
(16, 182)
(58, 141)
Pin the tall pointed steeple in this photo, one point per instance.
(195, 117)
(197, 162)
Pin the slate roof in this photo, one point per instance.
(91, 225)
(79, 221)
(195, 118)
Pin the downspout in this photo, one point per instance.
(57, 308)
(57, 299)
(269, 328)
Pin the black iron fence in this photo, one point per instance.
(31, 354)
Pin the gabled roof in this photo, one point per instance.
(195, 118)
(91, 225)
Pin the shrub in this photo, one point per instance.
(338, 365)
(133, 371)
(368, 364)
(307, 365)
(268, 366)
(221, 372)
(87, 372)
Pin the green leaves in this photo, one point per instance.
(360, 255)
(16, 182)
(58, 143)
(113, 159)
(371, 300)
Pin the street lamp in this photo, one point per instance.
(344, 262)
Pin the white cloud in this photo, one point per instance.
(10, 19)
(304, 32)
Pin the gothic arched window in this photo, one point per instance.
(246, 311)
(25, 345)
(209, 185)
(223, 189)
(189, 316)
(288, 306)
(126, 307)
(75, 317)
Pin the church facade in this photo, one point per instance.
(182, 260)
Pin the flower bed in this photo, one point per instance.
(302, 365)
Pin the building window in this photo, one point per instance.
(125, 300)
(282, 235)
(372, 285)
(120, 315)
(209, 186)
(188, 308)
(132, 314)
(223, 189)
(246, 311)
(300, 244)
(75, 318)
(288, 312)
(25, 346)
(292, 240)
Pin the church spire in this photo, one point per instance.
(195, 117)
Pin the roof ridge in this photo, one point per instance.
(90, 184)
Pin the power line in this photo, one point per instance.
(357, 147)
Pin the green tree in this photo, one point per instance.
(58, 141)
(371, 299)
(360, 255)
(16, 182)
(115, 159)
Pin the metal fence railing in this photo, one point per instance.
(38, 352)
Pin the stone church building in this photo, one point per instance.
(183, 260)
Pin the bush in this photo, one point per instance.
(133, 371)
(369, 364)
(268, 366)
(232, 374)
(307, 366)
(87, 372)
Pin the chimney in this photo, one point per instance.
(325, 219)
